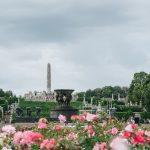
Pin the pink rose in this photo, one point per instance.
(72, 136)
(62, 118)
(114, 131)
(26, 137)
(42, 125)
(147, 133)
(127, 134)
(44, 143)
(48, 144)
(74, 117)
(43, 120)
(100, 146)
(140, 132)
(90, 130)
(91, 117)
(130, 127)
(17, 137)
(119, 143)
(82, 118)
(138, 139)
(104, 124)
(58, 127)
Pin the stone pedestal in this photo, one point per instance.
(63, 97)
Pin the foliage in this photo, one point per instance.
(86, 132)
(105, 92)
(124, 108)
(139, 90)
(126, 115)
(45, 107)
(123, 115)
(145, 115)
(7, 98)
(4, 104)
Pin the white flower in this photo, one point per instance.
(119, 143)
(9, 129)
(129, 128)
(5, 148)
(2, 137)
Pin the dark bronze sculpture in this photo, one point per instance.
(63, 97)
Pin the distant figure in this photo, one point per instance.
(5, 120)
(132, 120)
(137, 118)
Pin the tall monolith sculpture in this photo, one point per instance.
(48, 78)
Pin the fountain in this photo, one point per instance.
(63, 97)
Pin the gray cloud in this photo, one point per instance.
(89, 43)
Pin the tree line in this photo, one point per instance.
(106, 92)
(137, 92)
(7, 98)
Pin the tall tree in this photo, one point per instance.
(146, 93)
(136, 90)
(107, 91)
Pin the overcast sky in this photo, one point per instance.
(89, 43)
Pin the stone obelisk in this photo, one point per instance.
(48, 78)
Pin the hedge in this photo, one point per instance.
(126, 115)
(45, 107)
(128, 108)
(145, 115)
(123, 115)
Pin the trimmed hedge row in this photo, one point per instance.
(45, 107)
(126, 115)
(128, 108)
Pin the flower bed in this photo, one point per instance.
(84, 133)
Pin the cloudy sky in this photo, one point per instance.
(89, 43)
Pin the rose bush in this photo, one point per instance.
(84, 133)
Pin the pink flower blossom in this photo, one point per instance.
(138, 139)
(127, 134)
(48, 144)
(119, 143)
(26, 137)
(58, 127)
(130, 127)
(74, 117)
(100, 146)
(140, 132)
(90, 130)
(17, 137)
(82, 118)
(42, 125)
(114, 131)
(72, 136)
(104, 124)
(42, 120)
(147, 133)
(9, 129)
(91, 117)
(62, 118)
